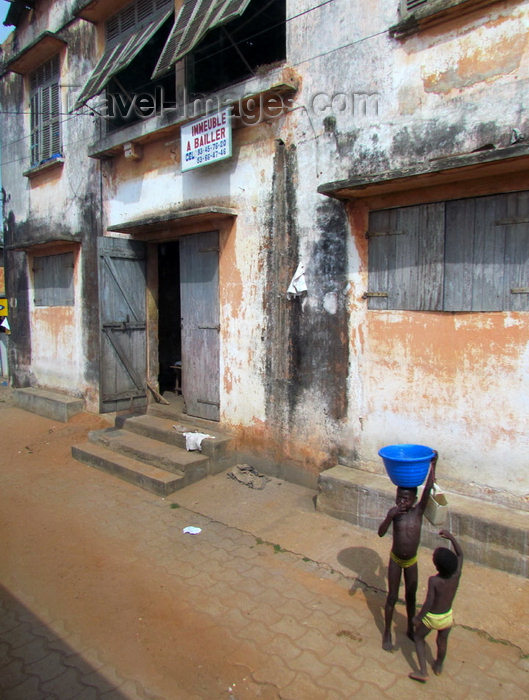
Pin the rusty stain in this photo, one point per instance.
(479, 64)
(155, 157)
(54, 339)
(261, 439)
(428, 362)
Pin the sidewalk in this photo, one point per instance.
(103, 596)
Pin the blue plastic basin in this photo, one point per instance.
(407, 465)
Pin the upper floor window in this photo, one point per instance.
(234, 52)
(45, 112)
(223, 42)
(134, 37)
(462, 255)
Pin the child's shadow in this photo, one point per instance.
(370, 577)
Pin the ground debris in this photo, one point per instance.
(249, 476)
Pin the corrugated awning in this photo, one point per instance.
(195, 19)
(117, 58)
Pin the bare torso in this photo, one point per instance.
(444, 590)
(407, 533)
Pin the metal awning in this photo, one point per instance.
(118, 57)
(195, 19)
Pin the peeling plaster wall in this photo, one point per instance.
(316, 379)
(56, 338)
(456, 381)
(54, 347)
(370, 103)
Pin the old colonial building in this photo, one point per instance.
(312, 215)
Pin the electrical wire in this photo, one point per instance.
(91, 113)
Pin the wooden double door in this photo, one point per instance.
(195, 314)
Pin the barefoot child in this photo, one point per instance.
(407, 520)
(436, 613)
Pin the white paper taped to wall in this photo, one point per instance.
(298, 284)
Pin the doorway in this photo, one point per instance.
(188, 322)
(169, 317)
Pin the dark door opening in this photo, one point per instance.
(169, 317)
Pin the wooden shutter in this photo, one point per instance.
(45, 104)
(475, 252)
(35, 140)
(195, 19)
(406, 251)
(133, 17)
(45, 128)
(516, 262)
(53, 280)
(119, 54)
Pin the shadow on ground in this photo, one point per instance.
(35, 663)
(370, 577)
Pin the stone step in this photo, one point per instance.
(159, 454)
(50, 404)
(148, 477)
(168, 431)
(175, 411)
(490, 534)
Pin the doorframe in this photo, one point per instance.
(226, 227)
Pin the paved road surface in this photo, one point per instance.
(103, 596)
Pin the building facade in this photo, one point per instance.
(315, 215)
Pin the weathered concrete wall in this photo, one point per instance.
(56, 346)
(456, 381)
(310, 380)
(314, 379)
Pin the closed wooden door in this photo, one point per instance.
(123, 324)
(199, 292)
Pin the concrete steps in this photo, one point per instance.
(50, 404)
(158, 481)
(166, 430)
(490, 534)
(150, 451)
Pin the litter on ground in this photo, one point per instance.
(249, 476)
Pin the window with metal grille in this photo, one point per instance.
(53, 280)
(45, 112)
(462, 255)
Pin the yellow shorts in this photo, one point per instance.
(438, 621)
(403, 563)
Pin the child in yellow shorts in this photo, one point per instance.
(436, 613)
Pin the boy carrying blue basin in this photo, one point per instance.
(406, 517)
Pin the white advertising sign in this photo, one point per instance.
(206, 140)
